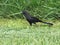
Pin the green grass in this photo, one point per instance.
(19, 32)
(43, 9)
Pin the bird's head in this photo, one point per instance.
(24, 12)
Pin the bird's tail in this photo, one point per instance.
(47, 23)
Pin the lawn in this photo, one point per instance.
(19, 32)
(15, 30)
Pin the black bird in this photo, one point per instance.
(32, 19)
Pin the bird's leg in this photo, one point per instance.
(31, 24)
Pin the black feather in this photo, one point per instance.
(32, 19)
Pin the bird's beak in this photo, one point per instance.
(21, 12)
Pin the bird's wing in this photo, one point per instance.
(35, 19)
